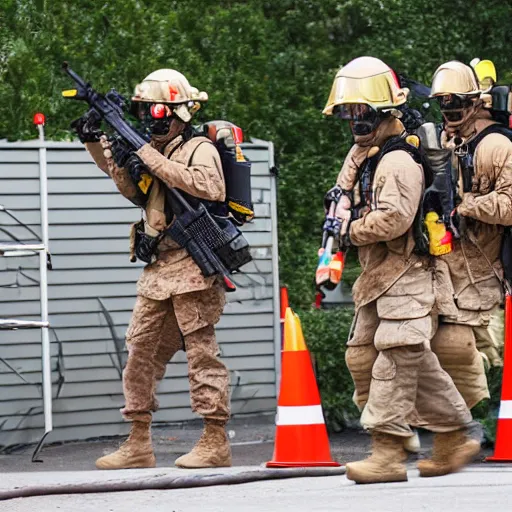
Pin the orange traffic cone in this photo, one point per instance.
(503, 446)
(301, 436)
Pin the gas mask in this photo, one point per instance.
(363, 118)
(457, 109)
(155, 118)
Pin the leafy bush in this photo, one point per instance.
(486, 412)
(326, 333)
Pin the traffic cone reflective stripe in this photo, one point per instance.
(301, 415)
(505, 410)
(301, 436)
(503, 445)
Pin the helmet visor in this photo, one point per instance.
(379, 91)
(145, 110)
(154, 117)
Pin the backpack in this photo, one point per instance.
(227, 137)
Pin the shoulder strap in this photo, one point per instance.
(419, 156)
(417, 153)
(197, 141)
(494, 128)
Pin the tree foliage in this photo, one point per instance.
(267, 66)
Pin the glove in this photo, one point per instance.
(121, 151)
(88, 127)
(331, 226)
(124, 157)
(332, 196)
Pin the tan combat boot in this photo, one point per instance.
(135, 452)
(211, 451)
(451, 451)
(385, 464)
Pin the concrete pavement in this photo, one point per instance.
(480, 488)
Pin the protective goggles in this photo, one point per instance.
(454, 101)
(154, 117)
(149, 111)
(357, 112)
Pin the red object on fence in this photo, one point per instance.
(39, 119)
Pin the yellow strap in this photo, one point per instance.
(145, 182)
(239, 208)
(239, 155)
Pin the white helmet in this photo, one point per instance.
(168, 86)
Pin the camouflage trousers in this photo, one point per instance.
(398, 379)
(158, 329)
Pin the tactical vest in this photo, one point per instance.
(367, 174)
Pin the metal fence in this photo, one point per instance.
(92, 291)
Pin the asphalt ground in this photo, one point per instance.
(251, 441)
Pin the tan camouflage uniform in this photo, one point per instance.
(476, 289)
(461, 318)
(176, 306)
(396, 306)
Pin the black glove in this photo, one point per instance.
(333, 195)
(136, 168)
(331, 226)
(88, 127)
(121, 151)
(125, 157)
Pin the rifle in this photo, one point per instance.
(223, 240)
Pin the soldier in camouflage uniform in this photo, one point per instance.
(176, 306)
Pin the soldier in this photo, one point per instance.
(483, 152)
(176, 306)
(395, 297)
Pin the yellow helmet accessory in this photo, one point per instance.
(485, 72)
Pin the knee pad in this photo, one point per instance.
(455, 344)
(360, 361)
